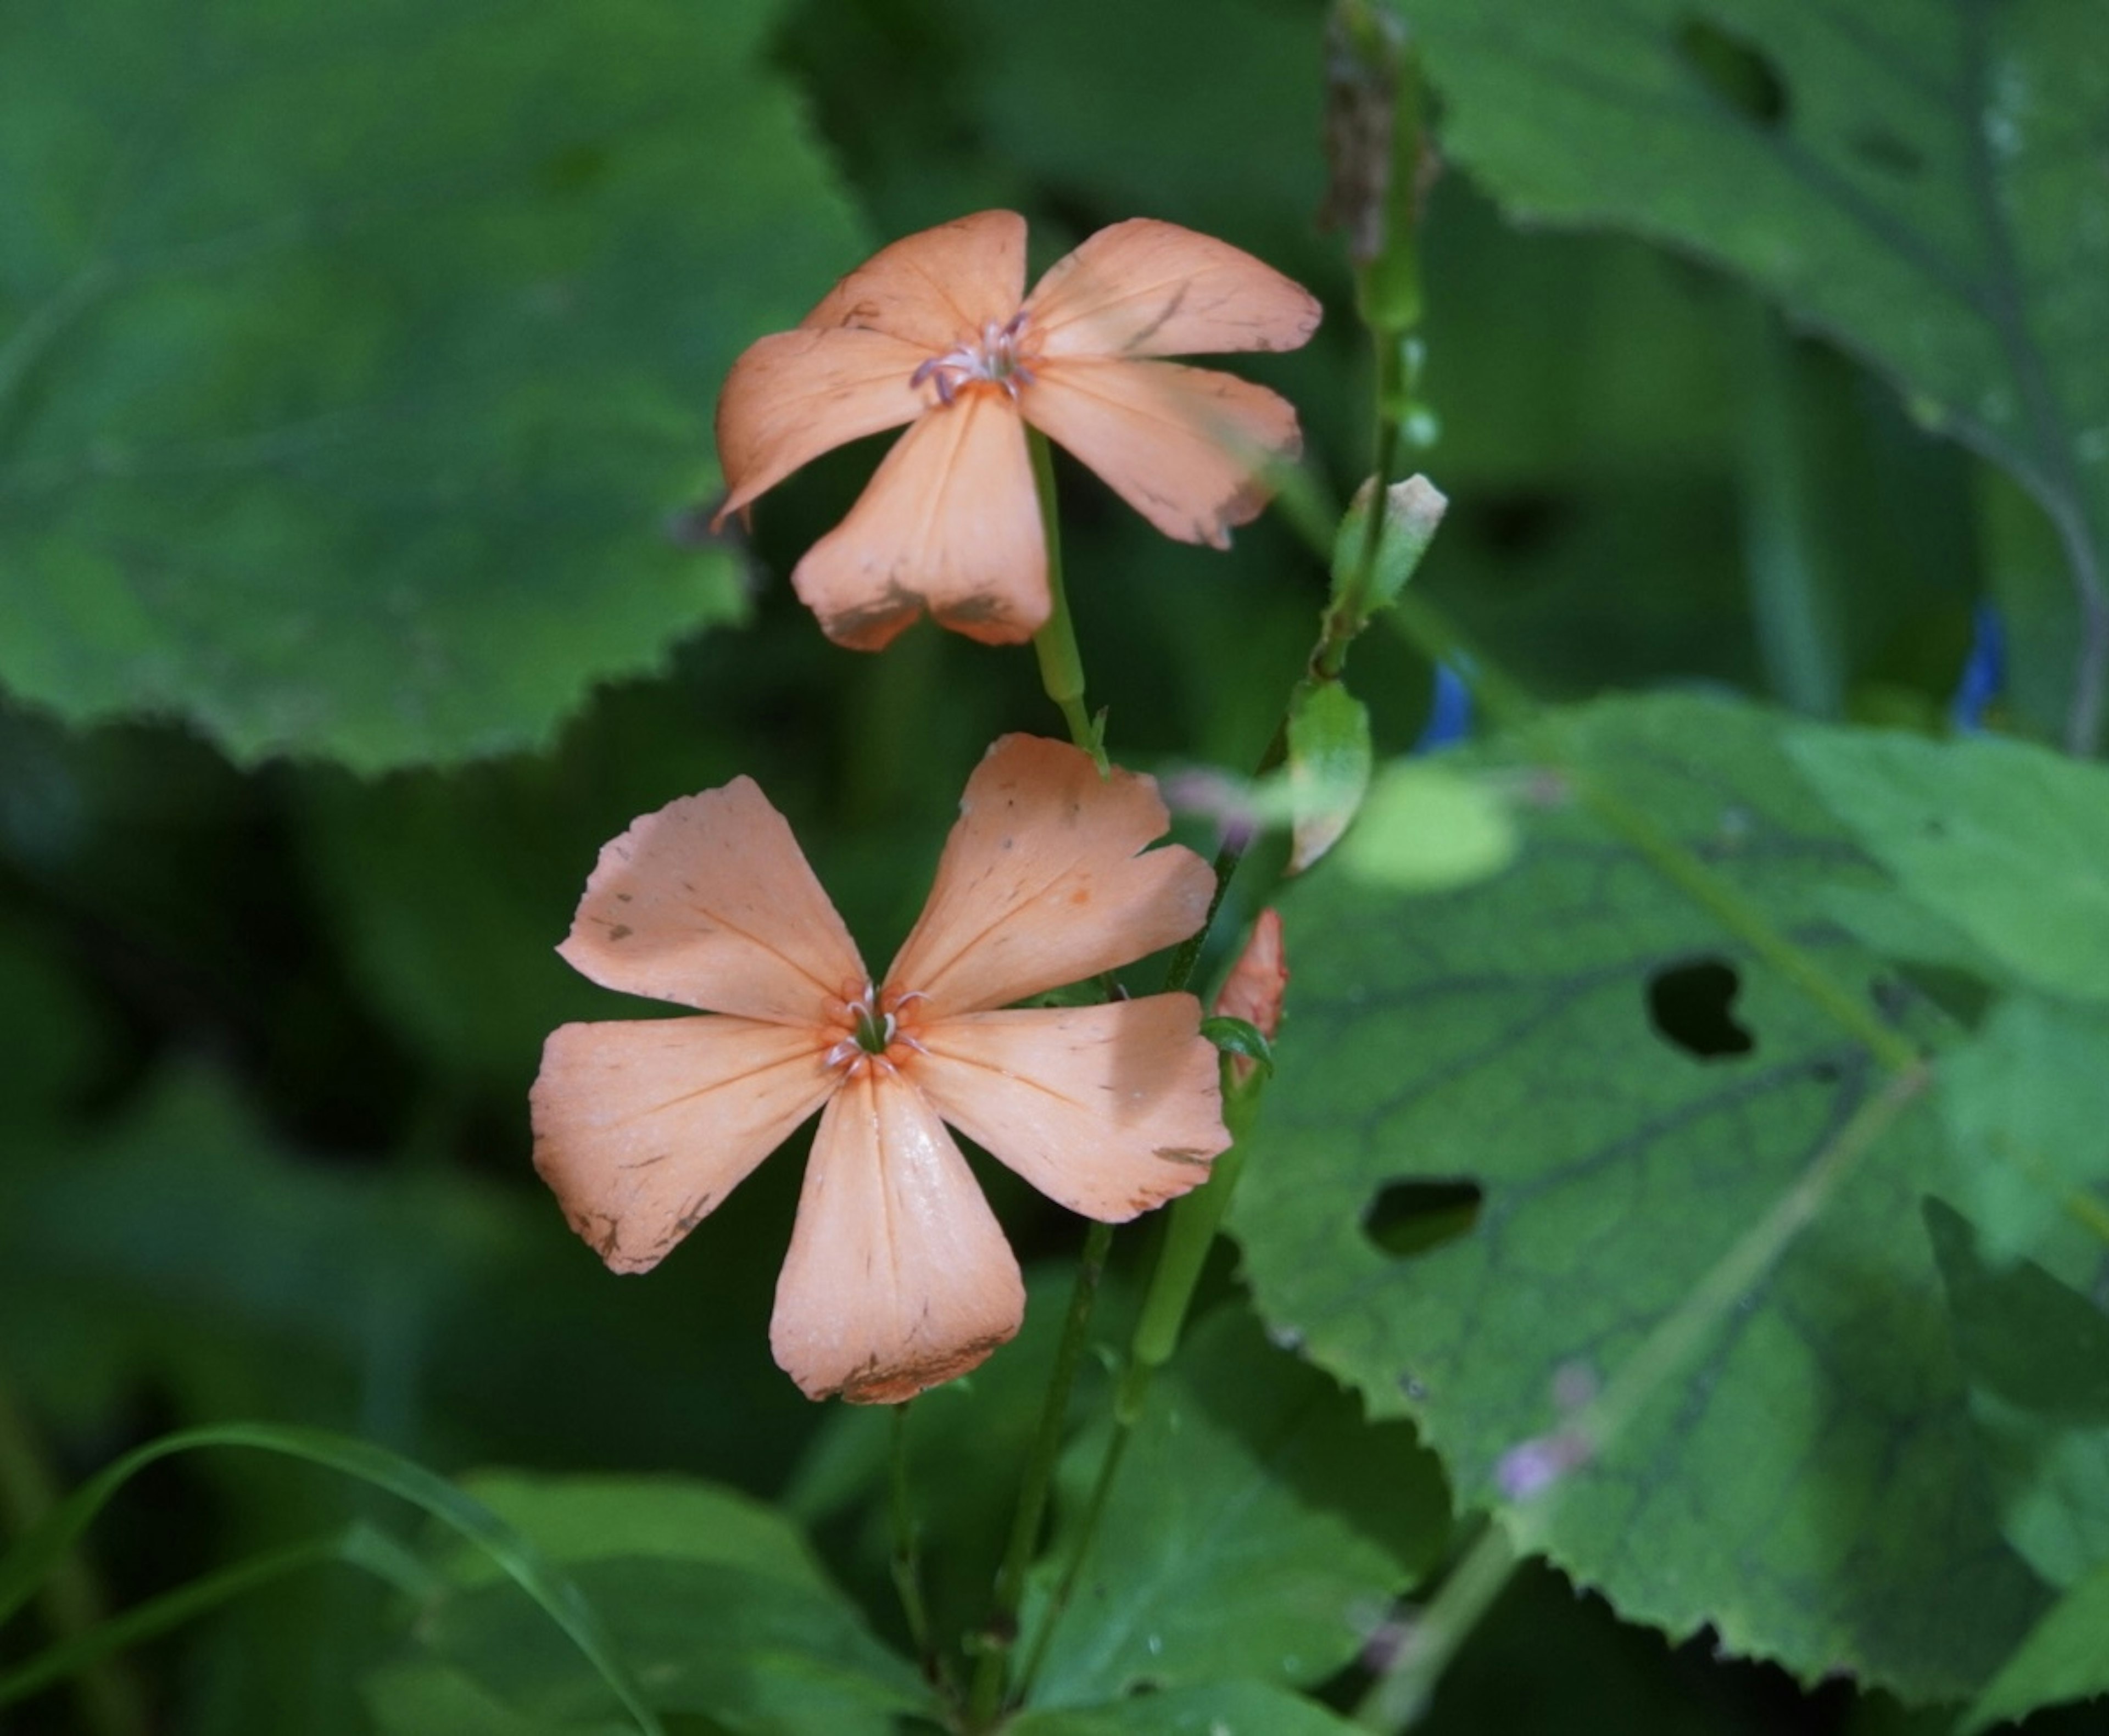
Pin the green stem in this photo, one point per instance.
(1350, 612)
(1397, 1699)
(111, 1702)
(1061, 663)
(1191, 1224)
(907, 1557)
(991, 1671)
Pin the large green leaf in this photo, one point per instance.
(1258, 1528)
(2027, 1104)
(356, 363)
(2005, 840)
(2036, 1352)
(1217, 1709)
(714, 1597)
(1921, 178)
(1629, 1089)
(746, 1648)
(2062, 1660)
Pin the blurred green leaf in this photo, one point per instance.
(356, 365)
(749, 1650)
(420, 1699)
(967, 1440)
(2027, 1106)
(1328, 766)
(2062, 1659)
(1429, 826)
(2004, 840)
(716, 1597)
(590, 1518)
(1919, 180)
(1215, 1709)
(2036, 1353)
(550, 1597)
(1618, 1089)
(1258, 1528)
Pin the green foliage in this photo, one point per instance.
(2027, 1105)
(355, 380)
(1911, 178)
(1627, 1089)
(358, 365)
(1218, 1709)
(2061, 1661)
(2036, 1355)
(2002, 840)
(1256, 1529)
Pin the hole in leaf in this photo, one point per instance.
(1735, 70)
(1689, 1005)
(1882, 148)
(1411, 1217)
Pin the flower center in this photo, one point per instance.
(873, 1022)
(997, 358)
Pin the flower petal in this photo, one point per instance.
(1041, 883)
(936, 288)
(1183, 446)
(898, 1276)
(1107, 1110)
(642, 1127)
(951, 522)
(795, 394)
(1145, 288)
(709, 902)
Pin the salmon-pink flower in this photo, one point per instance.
(1254, 989)
(898, 1276)
(937, 330)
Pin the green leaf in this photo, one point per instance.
(2036, 1353)
(419, 1699)
(1918, 179)
(1212, 1709)
(749, 1650)
(1412, 513)
(1588, 1091)
(551, 1596)
(1427, 827)
(1258, 1528)
(2027, 1105)
(2062, 1659)
(590, 1518)
(716, 1599)
(2004, 840)
(1328, 766)
(356, 364)
(1238, 1037)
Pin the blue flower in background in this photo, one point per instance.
(1983, 671)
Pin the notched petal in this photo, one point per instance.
(709, 902)
(899, 1277)
(795, 394)
(1146, 288)
(936, 288)
(950, 523)
(1188, 448)
(642, 1128)
(1045, 880)
(1108, 1110)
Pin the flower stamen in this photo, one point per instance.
(996, 360)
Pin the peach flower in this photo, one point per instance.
(1253, 990)
(898, 1276)
(936, 331)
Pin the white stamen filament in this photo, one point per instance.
(995, 359)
